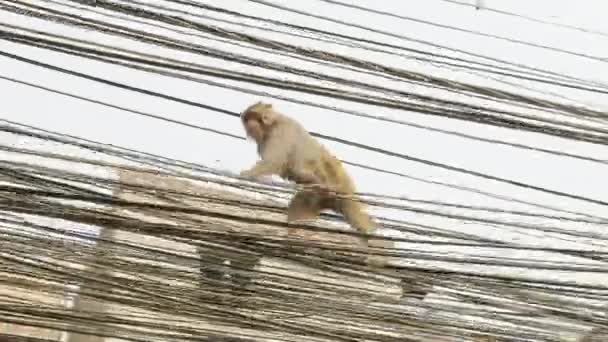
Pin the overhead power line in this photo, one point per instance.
(38, 200)
(242, 138)
(459, 29)
(325, 62)
(469, 170)
(393, 35)
(414, 159)
(15, 167)
(543, 76)
(348, 112)
(384, 102)
(529, 18)
(158, 117)
(402, 73)
(524, 306)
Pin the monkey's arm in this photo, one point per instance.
(274, 157)
(261, 168)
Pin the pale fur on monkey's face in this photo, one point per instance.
(254, 127)
(255, 120)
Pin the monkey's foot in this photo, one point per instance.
(376, 261)
(411, 289)
(295, 217)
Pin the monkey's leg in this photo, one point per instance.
(211, 269)
(243, 272)
(355, 214)
(304, 205)
(243, 263)
(315, 182)
(412, 288)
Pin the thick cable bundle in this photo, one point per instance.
(105, 242)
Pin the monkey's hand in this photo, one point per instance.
(251, 174)
(261, 168)
(246, 173)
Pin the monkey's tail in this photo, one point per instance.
(355, 213)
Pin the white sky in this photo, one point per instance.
(62, 114)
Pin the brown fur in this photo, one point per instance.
(288, 150)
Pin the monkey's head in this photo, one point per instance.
(258, 119)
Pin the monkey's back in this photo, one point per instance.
(329, 170)
(309, 153)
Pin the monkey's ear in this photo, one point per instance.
(268, 117)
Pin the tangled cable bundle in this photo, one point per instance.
(138, 240)
(102, 242)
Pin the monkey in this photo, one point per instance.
(288, 150)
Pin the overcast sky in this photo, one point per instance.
(59, 113)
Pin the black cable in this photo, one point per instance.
(555, 76)
(417, 255)
(351, 44)
(89, 177)
(368, 65)
(459, 29)
(536, 20)
(324, 91)
(565, 313)
(544, 129)
(238, 137)
(550, 78)
(458, 86)
(390, 34)
(132, 111)
(355, 144)
(379, 204)
(421, 126)
(126, 153)
(400, 122)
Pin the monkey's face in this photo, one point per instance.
(254, 126)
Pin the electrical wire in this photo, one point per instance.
(427, 111)
(533, 19)
(393, 35)
(447, 167)
(49, 192)
(459, 29)
(492, 286)
(360, 42)
(124, 87)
